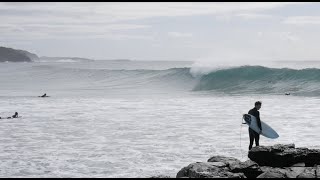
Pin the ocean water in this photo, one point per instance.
(140, 118)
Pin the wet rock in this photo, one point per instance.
(313, 157)
(317, 171)
(249, 168)
(278, 161)
(284, 155)
(287, 172)
(269, 174)
(224, 159)
(160, 176)
(208, 170)
(295, 171)
(301, 164)
(309, 172)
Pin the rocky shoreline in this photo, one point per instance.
(278, 161)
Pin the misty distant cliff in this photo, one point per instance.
(32, 56)
(16, 55)
(64, 59)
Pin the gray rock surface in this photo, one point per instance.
(284, 155)
(278, 161)
(208, 170)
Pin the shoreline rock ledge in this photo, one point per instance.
(277, 161)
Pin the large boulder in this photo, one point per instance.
(317, 171)
(249, 168)
(285, 172)
(309, 172)
(208, 170)
(284, 155)
(278, 161)
(269, 174)
(224, 159)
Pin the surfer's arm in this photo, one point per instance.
(258, 120)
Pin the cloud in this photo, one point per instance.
(112, 12)
(253, 16)
(302, 20)
(180, 34)
(290, 36)
(67, 19)
(108, 12)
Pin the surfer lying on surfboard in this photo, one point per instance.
(45, 95)
(254, 136)
(13, 116)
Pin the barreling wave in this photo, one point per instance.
(264, 80)
(238, 80)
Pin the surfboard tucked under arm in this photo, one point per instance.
(267, 131)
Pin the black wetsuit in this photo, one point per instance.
(252, 134)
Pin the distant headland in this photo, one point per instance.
(16, 55)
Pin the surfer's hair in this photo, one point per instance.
(257, 103)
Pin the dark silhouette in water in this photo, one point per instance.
(13, 116)
(287, 94)
(45, 95)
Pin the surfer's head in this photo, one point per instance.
(257, 104)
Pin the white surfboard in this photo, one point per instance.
(267, 131)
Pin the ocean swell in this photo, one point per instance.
(259, 79)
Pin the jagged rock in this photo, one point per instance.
(208, 170)
(317, 171)
(309, 172)
(301, 164)
(249, 168)
(160, 176)
(224, 159)
(269, 174)
(295, 171)
(284, 155)
(287, 172)
(278, 161)
(313, 157)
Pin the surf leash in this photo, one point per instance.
(240, 136)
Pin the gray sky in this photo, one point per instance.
(213, 31)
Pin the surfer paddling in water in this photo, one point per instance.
(254, 136)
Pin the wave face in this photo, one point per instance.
(264, 80)
(96, 78)
(26, 79)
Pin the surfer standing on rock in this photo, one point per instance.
(254, 136)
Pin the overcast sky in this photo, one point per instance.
(164, 31)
